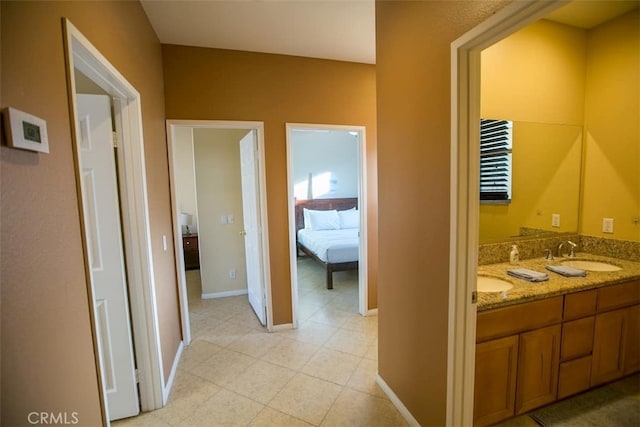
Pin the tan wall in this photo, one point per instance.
(535, 77)
(219, 192)
(47, 351)
(611, 186)
(232, 85)
(413, 97)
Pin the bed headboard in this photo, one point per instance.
(322, 205)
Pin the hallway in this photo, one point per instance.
(234, 373)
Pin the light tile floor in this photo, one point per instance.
(235, 373)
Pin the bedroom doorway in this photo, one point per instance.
(327, 220)
(226, 215)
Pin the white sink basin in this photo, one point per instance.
(492, 284)
(590, 265)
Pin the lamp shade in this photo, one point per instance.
(185, 218)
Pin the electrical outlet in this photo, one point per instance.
(607, 225)
(555, 220)
(232, 274)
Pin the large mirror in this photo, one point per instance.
(545, 182)
(559, 82)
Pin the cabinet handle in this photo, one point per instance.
(541, 365)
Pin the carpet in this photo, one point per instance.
(605, 406)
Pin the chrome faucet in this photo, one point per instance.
(549, 255)
(571, 253)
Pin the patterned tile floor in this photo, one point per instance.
(234, 373)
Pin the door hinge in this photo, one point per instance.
(474, 297)
(115, 139)
(137, 375)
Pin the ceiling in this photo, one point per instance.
(342, 30)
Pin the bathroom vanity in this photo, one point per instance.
(540, 342)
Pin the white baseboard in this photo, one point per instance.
(283, 327)
(397, 402)
(224, 294)
(166, 389)
(372, 312)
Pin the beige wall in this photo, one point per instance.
(232, 85)
(47, 351)
(185, 176)
(219, 192)
(413, 97)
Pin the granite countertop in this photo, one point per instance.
(557, 284)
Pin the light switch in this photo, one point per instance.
(607, 225)
(223, 219)
(230, 219)
(555, 220)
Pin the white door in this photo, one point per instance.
(106, 255)
(252, 233)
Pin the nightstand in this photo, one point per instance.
(191, 252)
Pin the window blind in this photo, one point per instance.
(495, 159)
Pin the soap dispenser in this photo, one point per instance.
(514, 256)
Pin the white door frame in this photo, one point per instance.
(464, 203)
(363, 287)
(258, 127)
(82, 55)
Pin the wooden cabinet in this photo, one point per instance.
(632, 347)
(191, 252)
(495, 380)
(538, 359)
(531, 354)
(574, 374)
(615, 339)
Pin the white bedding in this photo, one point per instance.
(332, 246)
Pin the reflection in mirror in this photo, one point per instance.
(545, 182)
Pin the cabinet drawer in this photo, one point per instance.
(574, 376)
(580, 304)
(616, 296)
(577, 338)
(518, 318)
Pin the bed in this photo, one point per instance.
(328, 231)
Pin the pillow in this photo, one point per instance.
(322, 220)
(349, 218)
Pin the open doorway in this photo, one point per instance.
(327, 220)
(110, 175)
(219, 207)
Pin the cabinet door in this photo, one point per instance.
(538, 361)
(608, 347)
(495, 380)
(632, 340)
